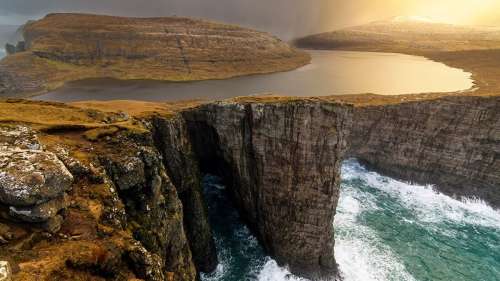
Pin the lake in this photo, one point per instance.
(330, 73)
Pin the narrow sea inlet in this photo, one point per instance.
(330, 73)
(385, 230)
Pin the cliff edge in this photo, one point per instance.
(114, 187)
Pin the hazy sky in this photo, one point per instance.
(287, 18)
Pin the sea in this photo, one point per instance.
(385, 230)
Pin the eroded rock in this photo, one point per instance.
(31, 177)
(153, 209)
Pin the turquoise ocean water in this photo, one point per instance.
(385, 230)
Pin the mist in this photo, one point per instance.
(287, 19)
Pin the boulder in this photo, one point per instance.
(31, 177)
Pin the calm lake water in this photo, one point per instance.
(385, 230)
(330, 73)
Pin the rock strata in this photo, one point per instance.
(67, 47)
(154, 211)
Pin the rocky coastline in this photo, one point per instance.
(122, 188)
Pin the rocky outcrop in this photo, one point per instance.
(282, 161)
(154, 211)
(33, 183)
(79, 46)
(119, 217)
(18, 48)
(452, 143)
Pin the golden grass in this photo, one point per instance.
(137, 108)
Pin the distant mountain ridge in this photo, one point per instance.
(409, 33)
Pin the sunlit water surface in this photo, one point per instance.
(330, 73)
(386, 230)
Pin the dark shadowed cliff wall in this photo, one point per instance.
(283, 164)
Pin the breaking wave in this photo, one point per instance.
(385, 230)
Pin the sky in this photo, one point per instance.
(285, 18)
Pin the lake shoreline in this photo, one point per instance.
(329, 73)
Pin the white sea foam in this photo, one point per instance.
(359, 252)
(221, 270)
(427, 204)
(273, 272)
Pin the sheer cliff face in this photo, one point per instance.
(135, 206)
(282, 160)
(78, 46)
(453, 143)
(283, 163)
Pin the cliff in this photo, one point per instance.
(452, 143)
(85, 195)
(116, 188)
(67, 47)
(282, 162)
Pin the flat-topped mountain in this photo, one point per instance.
(66, 47)
(403, 33)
